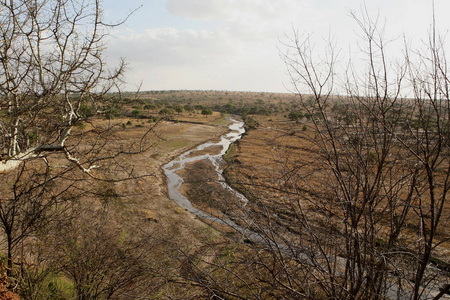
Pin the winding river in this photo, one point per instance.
(174, 181)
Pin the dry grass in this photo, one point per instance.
(280, 157)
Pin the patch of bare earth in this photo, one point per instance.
(152, 203)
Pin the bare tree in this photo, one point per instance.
(100, 257)
(52, 75)
(361, 204)
(386, 167)
(30, 201)
(53, 83)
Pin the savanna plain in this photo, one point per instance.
(126, 239)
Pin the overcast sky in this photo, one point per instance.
(235, 44)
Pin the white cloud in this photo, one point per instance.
(170, 58)
(246, 19)
(198, 9)
(171, 46)
(238, 48)
(232, 44)
(231, 10)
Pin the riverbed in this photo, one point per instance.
(212, 153)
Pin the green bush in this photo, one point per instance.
(136, 113)
(86, 111)
(207, 111)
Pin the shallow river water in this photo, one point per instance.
(174, 181)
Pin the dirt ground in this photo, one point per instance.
(152, 203)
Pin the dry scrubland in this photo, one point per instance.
(268, 160)
(347, 196)
(123, 237)
(130, 238)
(282, 169)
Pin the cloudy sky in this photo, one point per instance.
(236, 44)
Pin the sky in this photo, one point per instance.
(235, 45)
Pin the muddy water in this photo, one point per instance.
(207, 151)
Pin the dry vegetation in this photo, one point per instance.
(279, 165)
(166, 252)
(115, 231)
(347, 196)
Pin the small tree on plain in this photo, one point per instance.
(206, 112)
(296, 116)
(166, 112)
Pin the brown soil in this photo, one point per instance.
(153, 203)
(7, 295)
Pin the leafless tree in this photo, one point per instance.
(103, 259)
(52, 75)
(54, 85)
(361, 205)
(384, 159)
